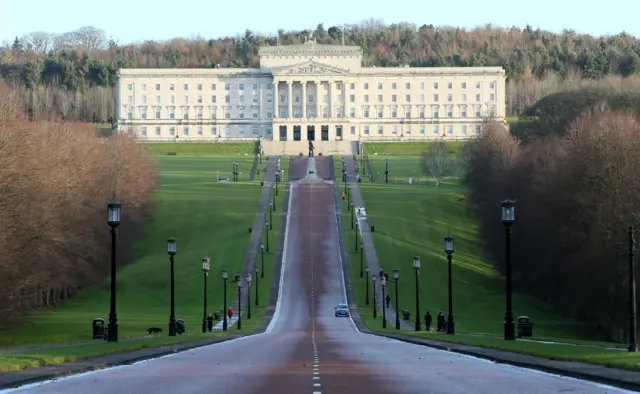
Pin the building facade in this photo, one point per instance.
(308, 92)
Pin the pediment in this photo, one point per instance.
(309, 68)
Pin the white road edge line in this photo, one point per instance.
(276, 313)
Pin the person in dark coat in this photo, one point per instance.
(440, 322)
(388, 299)
(210, 322)
(427, 321)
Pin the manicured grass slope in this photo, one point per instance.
(413, 220)
(201, 148)
(207, 217)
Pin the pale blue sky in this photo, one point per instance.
(136, 20)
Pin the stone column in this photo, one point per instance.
(318, 99)
(304, 98)
(276, 109)
(261, 103)
(290, 99)
(330, 93)
(345, 105)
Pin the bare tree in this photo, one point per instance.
(434, 161)
(90, 38)
(39, 41)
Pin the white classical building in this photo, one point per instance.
(308, 92)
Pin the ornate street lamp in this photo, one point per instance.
(205, 272)
(257, 284)
(361, 259)
(367, 285)
(113, 219)
(448, 248)
(383, 284)
(396, 276)
(225, 277)
(374, 279)
(239, 285)
(508, 217)
(416, 268)
(172, 249)
(249, 277)
(262, 259)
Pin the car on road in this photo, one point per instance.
(342, 310)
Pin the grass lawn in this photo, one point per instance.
(407, 148)
(411, 220)
(208, 218)
(201, 148)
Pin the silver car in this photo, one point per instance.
(342, 310)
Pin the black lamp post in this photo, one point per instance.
(225, 277)
(113, 219)
(262, 259)
(266, 230)
(276, 182)
(349, 206)
(361, 259)
(257, 284)
(374, 279)
(249, 277)
(205, 271)
(416, 268)
(386, 171)
(172, 249)
(270, 216)
(383, 284)
(356, 237)
(448, 248)
(508, 217)
(366, 296)
(396, 276)
(345, 182)
(348, 194)
(239, 286)
(274, 197)
(352, 208)
(633, 321)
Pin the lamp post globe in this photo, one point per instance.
(205, 271)
(396, 276)
(172, 249)
(113, 219)
(248, 279)
(239, 285)
(508, 218)
(416, 268)
(374, 279)
(449, 249)
(225, 276)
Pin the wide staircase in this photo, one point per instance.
(294, 148)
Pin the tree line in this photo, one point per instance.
(61, 72)
(576, 191)
(56, 179)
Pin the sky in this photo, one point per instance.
(129, 21)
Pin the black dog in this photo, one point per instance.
(154, 330)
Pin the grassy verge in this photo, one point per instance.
(201, 148)
(408, 148)
(208, 218)
(605, 357)
(39, 358)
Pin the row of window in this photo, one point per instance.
(407, 112)
(339, 86)
(310, 99)
(255, 131)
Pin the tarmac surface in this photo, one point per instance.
(306, 349)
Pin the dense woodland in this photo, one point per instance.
(72, 74)
(577, 189)
(56, 179)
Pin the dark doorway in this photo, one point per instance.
(325, 133)
(296, 133)
(283, 133)
(311, 133)
(338, 132)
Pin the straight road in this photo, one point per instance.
(309, 351)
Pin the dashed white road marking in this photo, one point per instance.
(316, 378)
(316, 384)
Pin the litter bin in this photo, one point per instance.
(406, 315)
(250, 229)
(373, 228)
(98, 328)
(180, 327)
(525, 326)
(261, 183)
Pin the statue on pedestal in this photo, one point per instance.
(311, 148)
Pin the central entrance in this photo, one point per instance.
(296, 133)
(311, 133)
(325, 133)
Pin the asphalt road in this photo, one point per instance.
(306, 349)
